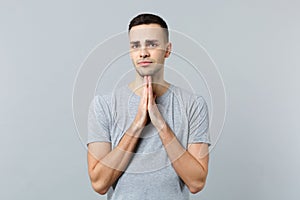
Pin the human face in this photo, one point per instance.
(148, 49)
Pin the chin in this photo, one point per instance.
(147, 72)
(143, 73)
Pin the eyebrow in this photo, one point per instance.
(147, 41)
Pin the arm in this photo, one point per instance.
(105, 166)
(191, 165)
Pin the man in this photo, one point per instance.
(148, 140)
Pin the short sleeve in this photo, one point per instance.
(198, 122)
(98, 121)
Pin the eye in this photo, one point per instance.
(134, 46)
(152, 45)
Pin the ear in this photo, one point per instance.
(168, 50)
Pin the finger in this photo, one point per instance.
(145, 81)
(150, 79)
(145, 94)
(150, 90)
(150, 82)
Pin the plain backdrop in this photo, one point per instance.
(255, 45)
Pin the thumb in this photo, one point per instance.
(154, 97)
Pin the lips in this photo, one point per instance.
(144, 62)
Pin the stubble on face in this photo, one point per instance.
(140, 36)
(149, 70)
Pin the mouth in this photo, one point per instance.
(144, 62)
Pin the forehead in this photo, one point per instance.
(146, 32)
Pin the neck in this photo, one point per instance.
(159, 85)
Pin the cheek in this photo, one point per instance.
(157, 53)
(160, 55)
(132, 54)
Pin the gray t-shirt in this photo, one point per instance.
(149, 174)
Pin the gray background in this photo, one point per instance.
(255, 44)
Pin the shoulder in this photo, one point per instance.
(100, 100)
(187, 97)
(110, 97)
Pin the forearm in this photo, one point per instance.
(108, 169)
(188, 168)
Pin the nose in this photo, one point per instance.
(144, 53)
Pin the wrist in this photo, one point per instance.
(166, 134)
(134, 130)
(161, 126)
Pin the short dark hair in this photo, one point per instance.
(147, 18)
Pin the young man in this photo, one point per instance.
(148, 139)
